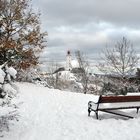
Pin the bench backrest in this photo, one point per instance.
(117, 99)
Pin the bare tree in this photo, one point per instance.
(53, 79)
(121, 60)
(84, 66)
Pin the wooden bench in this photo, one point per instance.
(113, 105)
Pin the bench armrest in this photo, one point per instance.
(92, 105)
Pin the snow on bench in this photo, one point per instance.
(113, 104)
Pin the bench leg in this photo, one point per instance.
(97, 115)
(137, 110)
(89, 112)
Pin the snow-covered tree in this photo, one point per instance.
(84, 74)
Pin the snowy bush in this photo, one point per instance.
(28, 75)
(115, 88)
(7, 89)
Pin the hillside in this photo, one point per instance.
(48, 114)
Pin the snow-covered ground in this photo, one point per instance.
(48, 114)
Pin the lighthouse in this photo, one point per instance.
(68, 61)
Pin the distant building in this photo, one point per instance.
(68, 61)
(71, 64)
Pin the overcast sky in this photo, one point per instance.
(87, 25)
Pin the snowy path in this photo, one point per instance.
(55, 115)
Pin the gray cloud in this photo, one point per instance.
(88, 25)
(122, 12)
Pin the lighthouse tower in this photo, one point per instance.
(68, 61)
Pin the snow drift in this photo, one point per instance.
(48, 114)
